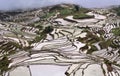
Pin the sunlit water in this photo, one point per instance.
(48, 70)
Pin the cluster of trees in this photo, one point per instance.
(117, 10)
(4, 63)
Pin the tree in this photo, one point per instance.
(47, 30)
(77, 7)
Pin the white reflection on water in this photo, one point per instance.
(48, 70)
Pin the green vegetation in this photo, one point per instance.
(74, 10)
(40, 27)
(83, 10)
(8, 48)
(82, 16)
(89, 50)
(47, 30)
(4, 63)
(42, 34)
(117, 10)
(90, 38)
(56, 8)
(116, 31)
(77, 7)
(92, 41)
(84, 47)
(105, 44)
(81, 13)
(49, 15)
(101, 32)
(39, 38)
(66, 12)
(92, 49)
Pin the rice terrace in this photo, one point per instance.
(60, 39)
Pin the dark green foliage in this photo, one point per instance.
(4, 63)
(118, 13)
(49, 14)
(105, 44)
(116, 31)
(74, 10)
(82, 16)
(92, 49)
(109, 65)
(101, 32)
(76, 7)
(56, 8)
(113, 45)
(66, 12)
(40, 27)
(90, 38)
(117, 10)
(42, 34)
(9, 47)
(84, 48)
(81, 13)
(84, 10)
(39, 38)
(47, 30)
